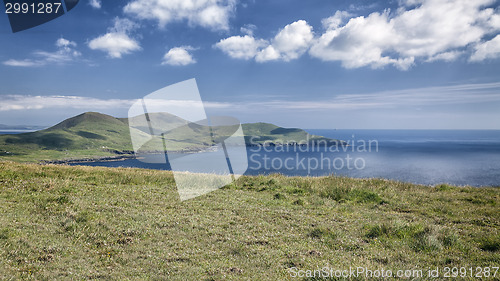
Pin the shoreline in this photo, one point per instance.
(125, 157)
(128, 154)
(88, 160)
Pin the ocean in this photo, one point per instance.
(429, 157)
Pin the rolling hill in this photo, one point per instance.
(96, 135)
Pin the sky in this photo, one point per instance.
(406, 64)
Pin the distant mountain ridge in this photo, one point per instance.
(4, 127)
(94, 134)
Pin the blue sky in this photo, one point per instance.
(407, 64)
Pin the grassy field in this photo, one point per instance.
(89, 223)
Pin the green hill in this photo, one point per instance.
(96, 135)
(88, 120)
(164, 121)
(85, 131)
(272, 134)
(89, 134)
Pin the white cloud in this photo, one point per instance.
(241, 47)
(358, 7)
(466, 94)
(440, 25)
(267, 54)
(437, 107)
(289, 43)
(123, 25)
(425, 30)
(27, 102)
(446, 56)
(418, 31)
(96, 4)
(64, 43)
(179, 56)
(248, 29)
(495, 22)
(336, 20)
(212, 14)
(65, 53)
(487, 50)
(362, 41)
(21, 102)
(22, 63)
(117, 42)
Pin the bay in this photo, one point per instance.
(430, 157)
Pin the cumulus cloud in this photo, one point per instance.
(487, 50)
(96, 4)
(425, 30)
(117, 41)
(418, 31)
(336, 20)
(115, 44)
(179, 56)
(64, 43)
(362, 41)
(65, 53)
(212, 14)
(288, 44)
(241, 47)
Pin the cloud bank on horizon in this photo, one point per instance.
(422, 105)
(447, 95)
(418, 31)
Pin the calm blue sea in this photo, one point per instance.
(459, 157)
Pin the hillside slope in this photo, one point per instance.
(270, 133)
(86, 135)
(93, 135)
(87, 223)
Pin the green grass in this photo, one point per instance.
(84, 223)
(89, 135)
(96, 135)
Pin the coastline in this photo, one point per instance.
(88, 160)
(128, 154)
